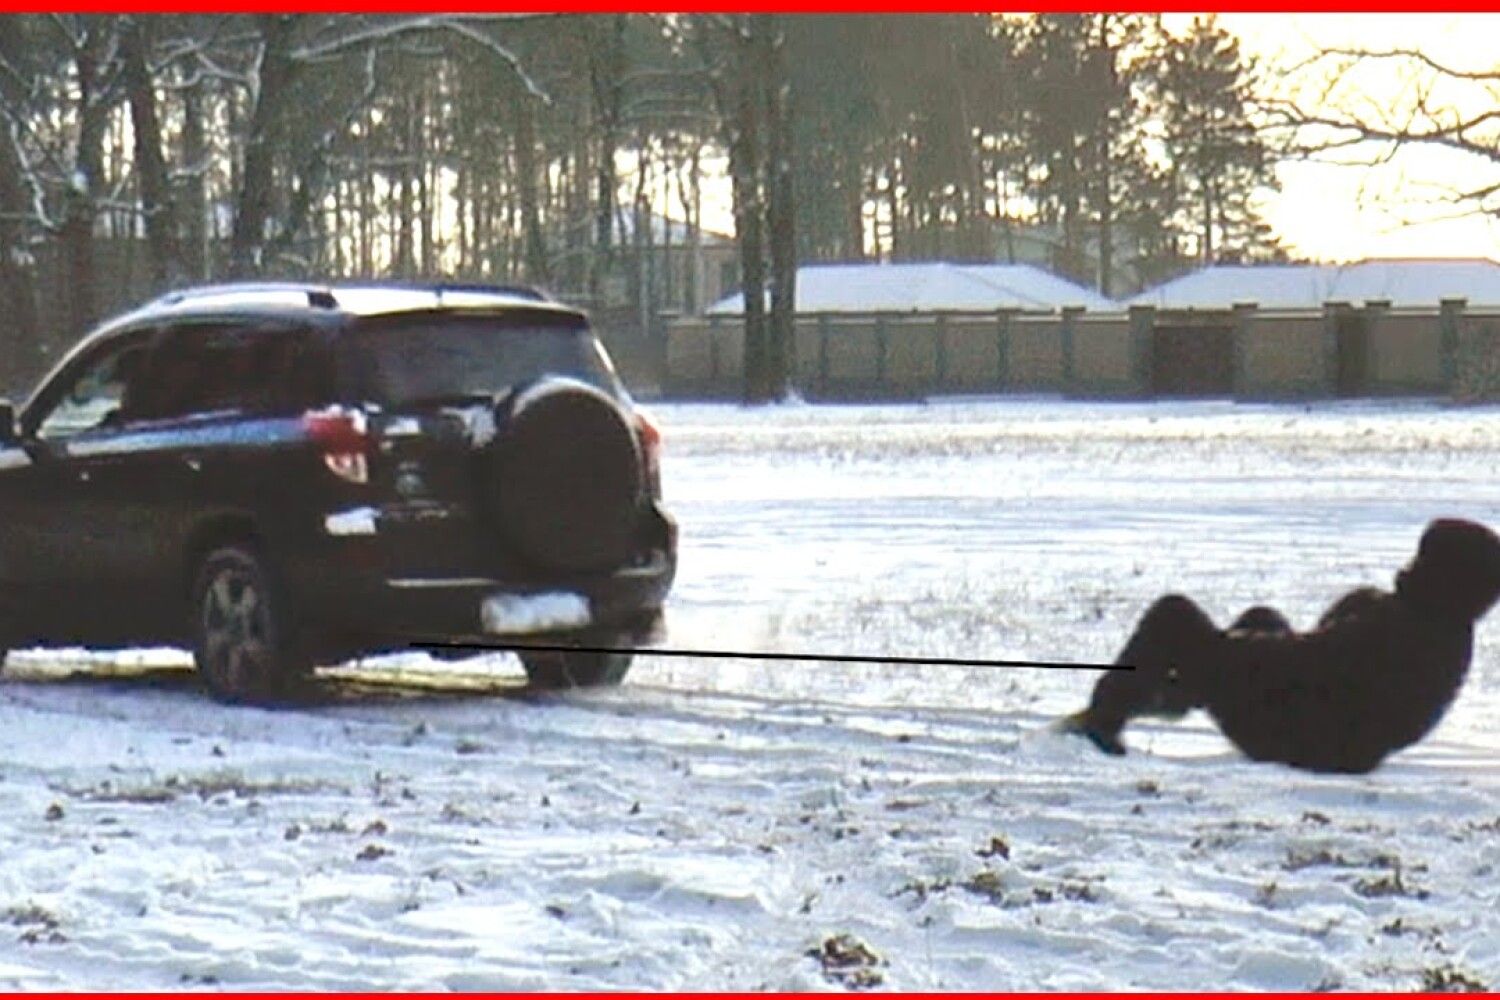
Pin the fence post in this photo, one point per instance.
(1002, 349)
(823, 325)
(940, 353)
(713, 353)
(1244, 323)
(1332, 313)
(1370, 346)
(1067, 335)
(1142, 320)
(1450, 322)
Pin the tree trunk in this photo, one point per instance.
(194, 203)
(606, 72)
(643, 245)
(80, 207)
(425, 170)
(1106, 219)
(150, 164)
(781, 211)
(894, 243)
(1105, 55)
(854, 212)
(535, 244)
(690, 195)
(1207, 250)
(749, 215)
(17, 282)
(17, 278)
(253, 212)
(406, 202)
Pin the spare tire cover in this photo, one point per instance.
(565, 476)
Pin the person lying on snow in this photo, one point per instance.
(1375, 675)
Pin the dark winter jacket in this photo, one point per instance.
(1376, 674)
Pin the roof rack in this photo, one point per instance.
(324, 296)
(318, 296)
(517, 291)
(440, 287)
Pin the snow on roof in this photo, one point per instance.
(1402, 282)
(931, 287)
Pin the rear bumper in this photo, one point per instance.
(432, 607)
(348, 600)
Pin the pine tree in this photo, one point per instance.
(1203, 89)
(1081, 115)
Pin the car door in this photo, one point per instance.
(77, 527)
(221, 407)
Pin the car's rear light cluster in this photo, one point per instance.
(343, 435)
(650, 438)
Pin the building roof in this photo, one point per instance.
(1402, 282)
(931, 287)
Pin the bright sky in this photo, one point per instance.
(1346, 213)
(1338, 213)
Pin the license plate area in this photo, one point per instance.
(530, 614)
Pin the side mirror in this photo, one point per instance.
(7, 423)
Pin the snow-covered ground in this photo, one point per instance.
(730, 825)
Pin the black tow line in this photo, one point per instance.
(746, 654)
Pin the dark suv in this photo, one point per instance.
(282, 475)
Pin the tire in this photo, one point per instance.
(242, 643)
(558, 671)
(565, 478)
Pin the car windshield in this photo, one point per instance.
(428, 360)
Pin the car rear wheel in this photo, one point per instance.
(555, 671)
(242, 643)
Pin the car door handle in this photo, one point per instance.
(193, 462)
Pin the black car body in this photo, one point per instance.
(343, 470)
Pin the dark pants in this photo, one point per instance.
(1172, 650)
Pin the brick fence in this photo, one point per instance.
(1240, 352)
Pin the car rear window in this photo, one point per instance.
(410, 360)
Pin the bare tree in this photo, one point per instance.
(92, 44)
(781, 210)
(16, 215)
(745, 58)
(285, 54)
(1334, 115)
(150, 163)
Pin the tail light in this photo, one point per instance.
(343, 436)
(650, 437)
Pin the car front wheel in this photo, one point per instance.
(242, 644)
(554, 670)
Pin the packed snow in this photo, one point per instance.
(749, 825)
(928, 287)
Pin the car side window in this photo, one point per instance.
(101, 395)
(232, 368)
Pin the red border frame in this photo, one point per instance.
(698, 6)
